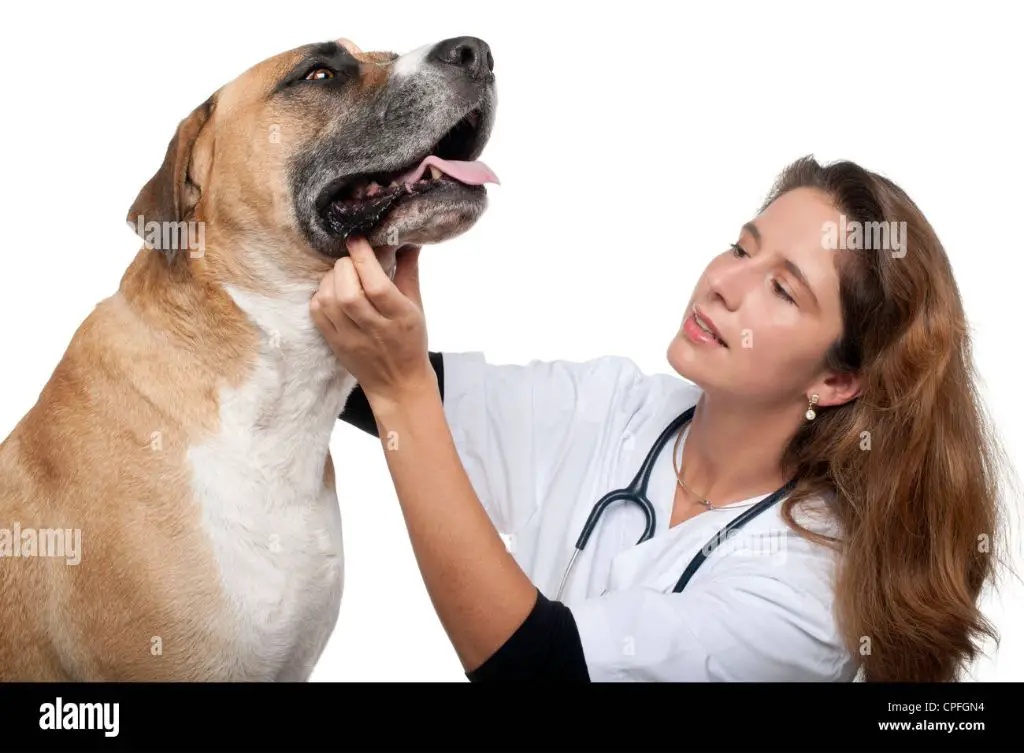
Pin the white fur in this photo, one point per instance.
(275, 528)
(409, 63)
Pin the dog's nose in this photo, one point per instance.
(469, 53)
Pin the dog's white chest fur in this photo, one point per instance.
(275, 528)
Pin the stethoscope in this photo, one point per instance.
(636, 493)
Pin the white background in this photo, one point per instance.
(632, 141)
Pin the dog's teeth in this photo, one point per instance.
(434, 172)
(393, 184)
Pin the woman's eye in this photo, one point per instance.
(778, 289)
(319, 74)
(781, 292)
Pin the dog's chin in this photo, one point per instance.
(426, 214)
(435, 217)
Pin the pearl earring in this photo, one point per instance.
(810, 414)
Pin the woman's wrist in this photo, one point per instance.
(388, 401)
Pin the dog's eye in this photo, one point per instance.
(319, 74)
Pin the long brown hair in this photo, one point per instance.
(912, 464)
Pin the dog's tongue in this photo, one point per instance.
(474, 173)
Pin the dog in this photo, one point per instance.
(181, 445)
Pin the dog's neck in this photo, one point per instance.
(264, 343)
(286, 329)
(292, 396)
(204, 302)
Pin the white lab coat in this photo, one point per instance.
(542, 442)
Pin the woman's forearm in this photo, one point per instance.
(480, 593)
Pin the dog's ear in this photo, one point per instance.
(350, 46)
(170, 194)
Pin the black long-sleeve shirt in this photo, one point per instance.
(547, 645)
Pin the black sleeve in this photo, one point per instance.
(545, 647)
(357, 409)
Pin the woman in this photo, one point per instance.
(838, 362)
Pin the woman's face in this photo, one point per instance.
(774, 298)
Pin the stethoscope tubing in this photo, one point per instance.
(636, 492)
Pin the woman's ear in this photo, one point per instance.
(172, 192)
(837, 389)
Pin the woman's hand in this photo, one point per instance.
(374, 325)
(377, 330)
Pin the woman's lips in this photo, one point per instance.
(697, 334)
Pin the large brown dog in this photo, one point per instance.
(168, 507)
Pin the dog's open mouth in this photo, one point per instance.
(357, 204)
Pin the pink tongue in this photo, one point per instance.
(472, 173)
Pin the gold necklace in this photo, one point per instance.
(679, 477)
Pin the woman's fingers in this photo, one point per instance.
(346, 301)
(358, 292)
(377, 287)
(319, 309)
(340, 303)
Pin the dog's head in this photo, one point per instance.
(326, 141)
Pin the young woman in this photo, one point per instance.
(821, 349)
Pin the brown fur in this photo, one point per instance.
(103, 448)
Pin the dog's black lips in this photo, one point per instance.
(343, 215)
